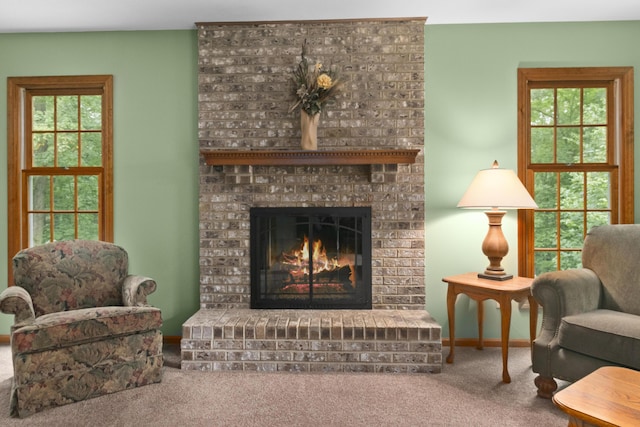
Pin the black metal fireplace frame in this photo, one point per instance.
(363, 298)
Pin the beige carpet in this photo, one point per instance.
(467, 393)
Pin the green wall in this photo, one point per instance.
(471, 120)
(155, 148)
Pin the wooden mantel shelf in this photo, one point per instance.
(215, 157)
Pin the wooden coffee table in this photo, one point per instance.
(609, 396)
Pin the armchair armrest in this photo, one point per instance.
(135, 290)
(17, 301)
(566, 292)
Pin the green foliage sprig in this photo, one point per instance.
(314, 85)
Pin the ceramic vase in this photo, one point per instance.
(309, 130)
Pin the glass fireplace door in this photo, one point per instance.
(311, 258)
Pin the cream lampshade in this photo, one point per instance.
(496, 189)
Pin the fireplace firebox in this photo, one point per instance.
(311, 258)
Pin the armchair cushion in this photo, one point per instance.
(604, 334)
(612, 252)
(88, 324)
(68, 275)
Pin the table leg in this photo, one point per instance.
(480, 324)
(505, 312)
(451, 314)
(533, 318)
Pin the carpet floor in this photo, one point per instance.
(467, 393)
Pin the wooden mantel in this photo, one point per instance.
(273, 157)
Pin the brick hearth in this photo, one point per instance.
(312, 341)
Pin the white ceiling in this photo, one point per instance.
(115, 15)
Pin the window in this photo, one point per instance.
(59, 160)
(575, 156)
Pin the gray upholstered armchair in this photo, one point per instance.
(82, 325)
(591, 315)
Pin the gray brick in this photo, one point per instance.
(243, 103)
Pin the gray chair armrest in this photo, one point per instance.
(17, 301)
(560, 293)
(566, 292)
(135, 290)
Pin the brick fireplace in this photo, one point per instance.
(244, 95)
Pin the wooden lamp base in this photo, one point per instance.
(495, 247)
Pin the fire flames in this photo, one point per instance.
(330, 271)
(321, 262)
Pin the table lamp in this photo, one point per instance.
(496, 189)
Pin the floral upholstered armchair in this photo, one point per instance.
(82, 327)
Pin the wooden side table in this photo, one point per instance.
(609, 396)
(503, 292)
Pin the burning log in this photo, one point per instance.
(287, 273)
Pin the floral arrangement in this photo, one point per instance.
(314, 85)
